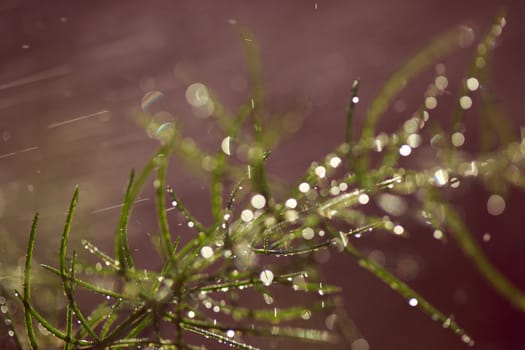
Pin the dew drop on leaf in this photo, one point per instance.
(266, 277)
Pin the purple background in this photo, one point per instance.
(64, 59)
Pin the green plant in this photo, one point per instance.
(199, 288)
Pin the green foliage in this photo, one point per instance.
(198, 290)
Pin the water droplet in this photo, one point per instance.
(465, 338)
(306, 314)
(413, 302)
(355, 99)
(486, 237)
(266, 277)
(268, 299)
(206, 252)
(191, 314)
(438, 234)
(230, 333)
(174, 203)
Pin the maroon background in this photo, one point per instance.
(97, 54)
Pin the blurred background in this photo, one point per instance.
(73, 73)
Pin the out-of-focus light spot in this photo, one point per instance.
(441, 177)
(197, 95)
(225, 145)
(430, 102)
(495, 204)
(467, 37)
(458, 139)
(400, 106)
(204, 111)
(410, 125)
(392, 204)
(414, 140)
(258, 201)
(335, 162)
(6, 135)
(438, 234)
(152, 101)
(304, 187)
(247, 215)
(308, 233)
(480, 62)
(405, 150)
(291, 215)
(320, 171)
(486, 237)
(441, 82)
(291, 203)
(335, 190)
(398, 229)
(363, 198)
(378, 257)
(472, 84)
(465, 102)
(360, 344)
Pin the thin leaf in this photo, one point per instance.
(160, 184)
(122, 251)
(27, 285)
